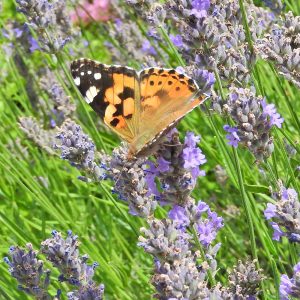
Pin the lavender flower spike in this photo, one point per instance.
(254, 119)
(176, 273)
(284, 215)
(29, 272)
(130, 181)
(245, 280)
(290, 287)
(281, 46)
(177, 167)
(49, 19)
(78, 148)
(64, 255)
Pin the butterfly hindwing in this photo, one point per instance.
(112, 92)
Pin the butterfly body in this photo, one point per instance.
(139, 106)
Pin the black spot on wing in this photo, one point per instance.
(129, 116)
(114, 122)
(119, 111)
(127, 93)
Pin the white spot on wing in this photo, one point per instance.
(91, 94)
(77, 81)
(89, 72)
(97, 76)
(82, 73)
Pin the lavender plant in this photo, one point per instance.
(29, 272)
(284, 214)
(64, 255)
(210, 34)
(254, 119)
(41, 137)
(49, 20)
(290, 287)
(62, 106)
(281, 46)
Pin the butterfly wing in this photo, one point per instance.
(112, 91)
(166, 97)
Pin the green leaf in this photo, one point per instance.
(257, 189)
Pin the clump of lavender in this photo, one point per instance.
(290, 287)
(64, 255)
(49, 20)
(210, 33)
(244, 280)
(130, 182)
(43, 138)
(254, 119)
(128, 176)
(77, 148)
(62, 107)
(29, 272)
(205, 222)
(284, 215)
(176, 272)
(129, 37)
(282, 47)
(180, 270)
(176, 167)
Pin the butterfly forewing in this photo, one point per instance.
(112, 92)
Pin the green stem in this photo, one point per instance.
(246, 26)
(219, 83)
(246, 204)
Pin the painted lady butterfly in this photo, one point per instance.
(139, 106)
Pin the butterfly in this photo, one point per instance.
(140, 107)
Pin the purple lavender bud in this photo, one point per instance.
(270, 110)
(33, 44)
(178, 214)
(290, 287)
(284, 215)
(176, 168)
(177, 40)
(28, 271)
(50, 17)
(232, 137)
(148, 48)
